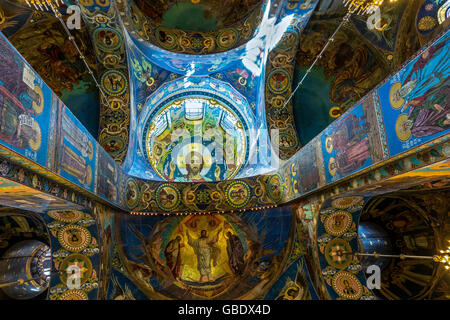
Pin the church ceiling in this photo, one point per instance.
(197, 15)
(177, 36)
(198, 134)
(336, 83)
(159, 80)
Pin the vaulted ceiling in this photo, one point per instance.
(357, 61)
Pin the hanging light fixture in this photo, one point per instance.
(443, 257)
(363, 6)
(43, 5)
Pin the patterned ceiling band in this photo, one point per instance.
(279, 75)
(102, 21)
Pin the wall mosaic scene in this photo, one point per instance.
(224, 150)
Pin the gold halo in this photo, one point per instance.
(38, 108)
(396, 104)
(329, 149)
(332, 171)
(335, 112)
(150, 82)
(35, 142)
(402, 134)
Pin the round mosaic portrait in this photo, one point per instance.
(195, 136)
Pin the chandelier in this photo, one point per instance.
(363, 6)
(444, 257)
(43, 4)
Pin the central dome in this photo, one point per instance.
(196, 135)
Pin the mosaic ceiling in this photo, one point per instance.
(197, 15)
(200, 119)
(195, 137)
(259, 52)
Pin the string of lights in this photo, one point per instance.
(42, 4)
(140, 213)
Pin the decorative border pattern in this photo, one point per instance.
(109, 44)
(279, 76)
(341, 271)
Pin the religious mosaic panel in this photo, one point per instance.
(222, 256)
(104, 217)
(75, 255)
(279, 79)
(103, 24)
(77, 152)
(196, 139)
(311, 171)
(20, 196)
(25, 106)
(195, 130)
(414, 101)
(107, 177)
(351, 143)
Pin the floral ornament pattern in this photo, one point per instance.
(108, 40)
(75, 250)
(337, 239)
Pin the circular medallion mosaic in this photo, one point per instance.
(227, 38)
(279, 81)
(338, 223)
(107, 39)
(38, 107)
(74, 294)
(74, 238)
(114, 82)
(347, 285)
(78, 262)
(332, 166)
(274, 187)
(132, 193)
(288, 40)
(167, 197)
(337, 253)
(166, 38)
(237, 194)
(394, 96)
(347, 202)
(114, 145)
(69, 216)
(35, 141)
